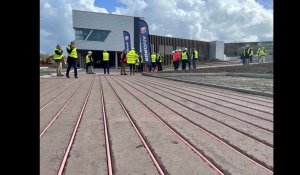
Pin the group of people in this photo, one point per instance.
(247, 53)
(58, 57)
(133, 58)
(185, 58)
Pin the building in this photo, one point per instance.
(101, 31)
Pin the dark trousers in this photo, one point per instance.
(159, 68)
(189, 63)
(72, 62)
(183, 66)
(106, 66)
(176, 64)
(244, 59)
(131, 68)
(153, 65)
(87, 66)
(250, 59)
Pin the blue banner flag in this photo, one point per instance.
(145, 42)
(127, 40)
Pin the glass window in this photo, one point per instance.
(81, 34)
(98, 35)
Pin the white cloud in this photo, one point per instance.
(206, 20)
(56, 21)
(230, 20)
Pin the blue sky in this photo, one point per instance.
(109, 4)
(204, 20)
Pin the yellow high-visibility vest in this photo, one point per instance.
(57, 57)
(131, 57)
(73, 54)
(183, 56)
(105, 56)
(153, 58)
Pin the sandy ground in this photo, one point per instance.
(231, 129)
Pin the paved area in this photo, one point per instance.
(147, 125)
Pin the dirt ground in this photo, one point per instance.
(266, 68)
(178, 121)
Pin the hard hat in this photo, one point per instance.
(179, 50)
(104, 50)
(173, 52)
(132, 48)
(89, 52)
(185, 48)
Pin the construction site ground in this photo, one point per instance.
(116, 124)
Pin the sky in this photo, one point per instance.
(204, 20)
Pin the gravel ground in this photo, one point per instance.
(264, 68)
(256, 84)
(207, 118)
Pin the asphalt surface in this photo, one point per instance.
(178, 121)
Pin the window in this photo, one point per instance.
(91, 34)
(81, 34)
(98, 35)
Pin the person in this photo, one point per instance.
(251, 55)
(137, 62)
(89, 63)
(141, 68)
(247, 54)
(58, 57)
(184, 57)
(106, 61)
(188, 58)
(179, 57)
(243, 55)
(131, 59)
(261, 52)
(175, 59)
(123, 61)
(160, 58)
(72, 57)
(194, 58)
(153, 62)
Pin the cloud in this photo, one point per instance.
(230, 20)
(56, 21)
(206, 20)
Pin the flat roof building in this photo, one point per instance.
(101, 31)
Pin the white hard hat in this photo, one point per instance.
(173, 52)
(185, 48)
(179, 50)
(89, 52)
(132, 48)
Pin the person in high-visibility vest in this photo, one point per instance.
(131, 59)
(184, 58)
(106, 61)
(261, 53)
(72, 57)
(247, 53)
(251, 54)
(195, 57)
(153, 62)
(89, 63)
(58, 58)
(159, 59)
(243, 55)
